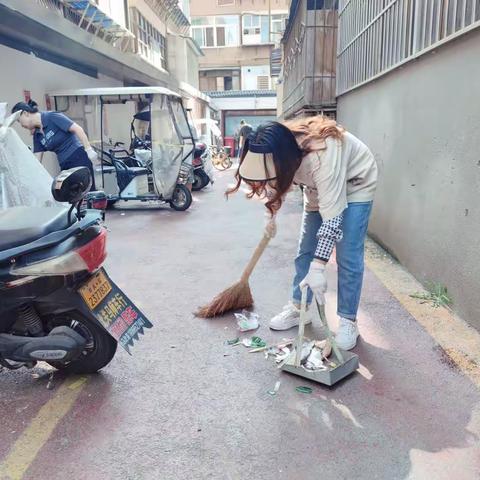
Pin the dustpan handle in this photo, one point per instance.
(331, 338)
(255, 258)
(301, 327)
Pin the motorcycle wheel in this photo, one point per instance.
(201, 180)
(181, 199)
(99, 350)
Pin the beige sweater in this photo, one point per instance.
(344, 172)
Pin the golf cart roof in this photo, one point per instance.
(115, 91)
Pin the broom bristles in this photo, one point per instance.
(233, 298)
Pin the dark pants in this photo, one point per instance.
(79, 158)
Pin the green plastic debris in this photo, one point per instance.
(254, 342)
(234, 341)
(304, 390)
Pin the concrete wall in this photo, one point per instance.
(26, 72)
(423, 124)
(246, 103)
(235, 56)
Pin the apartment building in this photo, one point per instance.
(239, 69)
(49, 45)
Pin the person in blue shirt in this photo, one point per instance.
(55, 132)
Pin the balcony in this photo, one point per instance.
(309, 63)
(87, 15)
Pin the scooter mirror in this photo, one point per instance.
(72, 185)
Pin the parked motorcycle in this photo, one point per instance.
(56, 302)
(202, 167)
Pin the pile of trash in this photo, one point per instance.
(315, 353)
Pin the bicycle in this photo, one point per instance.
(221, 160)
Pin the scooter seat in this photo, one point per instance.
(21, 225)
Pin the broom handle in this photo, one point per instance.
(255, 258)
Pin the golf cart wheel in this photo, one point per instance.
(181, 199)
(111, 203)
(201, 180)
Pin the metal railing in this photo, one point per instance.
(60, 8)
(376, 36)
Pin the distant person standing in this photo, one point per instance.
(55, 132)
(245, 130)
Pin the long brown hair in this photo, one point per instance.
(287, 157)
(311, 132)
(289, 142)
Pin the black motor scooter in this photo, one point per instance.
(56, 302)
(201, 178)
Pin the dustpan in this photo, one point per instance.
(341, 363)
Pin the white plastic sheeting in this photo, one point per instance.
(167, 147)
(23, 180)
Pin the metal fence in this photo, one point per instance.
(376, 36)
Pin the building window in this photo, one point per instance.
(219, 31)
(255, 28)
(228, 83)
(278, 26)
(151, 44)
(219, 80)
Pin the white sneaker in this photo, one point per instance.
(288, 318)
(347, 334)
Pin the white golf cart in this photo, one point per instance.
(150, 164)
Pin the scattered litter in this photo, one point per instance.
(275, 389)
(173, 346)
(282, 355)
(247, 321)
(325, 346)
(258, 349)
(122, 214)
(314, 361)
(306, 350)
(286, 342)
(234, 341)
(254, 342)
(304, 390)
(50, 384)
(273, 351)
(43, 374)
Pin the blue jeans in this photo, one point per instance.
(350, 256)
(79, 158)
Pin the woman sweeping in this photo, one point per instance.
(338, 174)
(55, 132)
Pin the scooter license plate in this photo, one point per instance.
(113, 309)
(95, 290)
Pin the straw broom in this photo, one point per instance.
(238, 295)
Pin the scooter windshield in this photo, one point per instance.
(167, 146)
(23, 180)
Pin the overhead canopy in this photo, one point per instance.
(92, 16)
(115, 91)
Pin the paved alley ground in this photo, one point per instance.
(187, 406)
